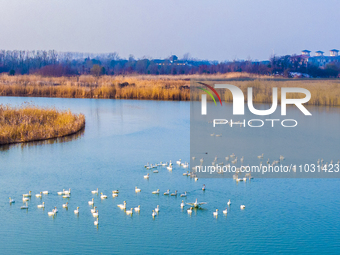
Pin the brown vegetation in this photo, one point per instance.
(87, 86)
(162, 87)
(325, 92)
(30, 123)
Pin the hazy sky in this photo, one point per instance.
(207, 29)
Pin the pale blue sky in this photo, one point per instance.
(207, 29)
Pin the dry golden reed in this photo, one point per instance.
(324, 92)
(86, 86)
(30, 123)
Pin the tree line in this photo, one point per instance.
(53, 63)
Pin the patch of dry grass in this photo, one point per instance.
(323, 92)
(86, 86)
(30, 123)
(162, 87)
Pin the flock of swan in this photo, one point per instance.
(94, 210)
(137, 209)
(127, 210)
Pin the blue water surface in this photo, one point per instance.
(290, 216)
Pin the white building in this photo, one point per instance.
(334, 53)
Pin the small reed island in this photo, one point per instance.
(31, 123)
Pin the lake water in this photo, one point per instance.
(289, 216)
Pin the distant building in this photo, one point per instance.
(321, 61)
(319, 53)
(173, 58)
(334, 53)
(306, 52)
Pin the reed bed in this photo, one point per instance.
(86, 86)
(30, 123)
(324, 92)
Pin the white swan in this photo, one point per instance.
(11, 201)
(137, 189)
(174, 194)
(182, 204)
(93, 210)
(157, 209)
(24, 206)
(294, 168)
(95, 214)
(189, 211)
(129, 212)
(178, 162)
(225, 211)
(76, 211)
(27, 195)
(96, 222)
(242, 207)
(65, 205)
(122, 206)
(67, 192)
(215, 213)
(114, 194)
(196, 179)
(186, 174)
(146, 176)
(153, 213)
(155, 171)
(55, 209)
(169, 168)
(25, 199)
(155, 192)
(115, 191)
(91, 202)
(42, 205)
(102, 196)
(137, 209)
(229, 203)
(94, 191)
(51, 213)
(167, 192)
(184, 194)
(261, 156)
(185, 165)
(61, 192)
(45, 192)
(38, 195)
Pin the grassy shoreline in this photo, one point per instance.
(325, 92)
(29, 123)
